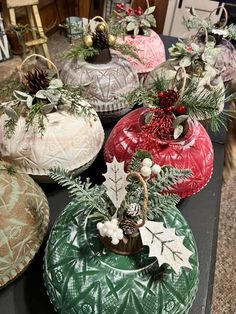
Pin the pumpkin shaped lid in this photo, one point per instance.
(47, 124)
(82, 274)
(96, 42)
(24, 217)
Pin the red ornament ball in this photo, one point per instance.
(180, 109)
(160, 94)
(169, 109)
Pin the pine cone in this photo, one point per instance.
(128, 226)
(169, 98)
(36, 80)
(100, 40)
(133, 210)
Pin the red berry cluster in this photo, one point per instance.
(121, 7)
(138, 11)
(161, 125)
(167, 99)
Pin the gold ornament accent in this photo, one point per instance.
(111, 40)
(101, 27)
(88, 41)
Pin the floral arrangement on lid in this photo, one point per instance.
(172, 103)
(127, 212)
(97, 40)
(36, 96)
(217, 30)
(126, 20)
(220, 35)
(194, 56)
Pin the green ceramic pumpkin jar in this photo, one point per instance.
(83, 276)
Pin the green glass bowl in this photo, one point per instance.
(82, 276)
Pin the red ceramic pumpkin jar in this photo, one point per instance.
(192, 151)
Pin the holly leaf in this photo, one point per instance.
(116, 182)
(178, 131)
(185, 62)
(165, 245)
(179, 120)
(150, 10)
(11, 113)
(29, 101)
(55, 83)
(131, 26)
(20, 95)
(145, 23)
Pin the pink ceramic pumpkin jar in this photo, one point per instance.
(150, 50)
(149, 45)
(192, 151)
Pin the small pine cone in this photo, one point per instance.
(169, 98)
(133, 210)
(36, 80)
(128, 226)
(100, 40)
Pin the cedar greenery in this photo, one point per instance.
(80, 51)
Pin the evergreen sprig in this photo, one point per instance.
(36, 114)
(93, 196)
(10, 126)
(128, 50)
(158, 202)
(202, 105)
(168, 177)
(80, 51)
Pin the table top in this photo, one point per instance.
(27, 295)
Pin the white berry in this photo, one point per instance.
(147, 162)
(110, 233)
(156, 169)
(119, 236)
(102, 233)
(99, 225)
(146, 171)
(114, 221)
(114, 241)
(107, 224)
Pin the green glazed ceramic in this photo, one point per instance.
(84, 277)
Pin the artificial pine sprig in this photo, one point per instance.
(100, 204)
(93, 196)
(80, 51)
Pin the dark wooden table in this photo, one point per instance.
(27, 295)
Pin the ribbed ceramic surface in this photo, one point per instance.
(103, 83)
(24, 216)
(82, 276)
(226, 61)
(194, 151)
(69, 142)
(151, 51)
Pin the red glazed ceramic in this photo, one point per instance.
(151, 51)
(193, 151)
